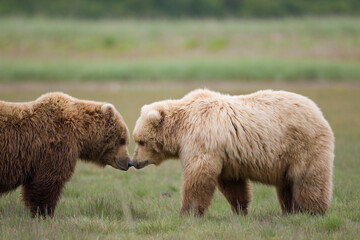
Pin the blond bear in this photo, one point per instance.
(273, 137)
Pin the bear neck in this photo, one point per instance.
(88, 130)
(171, 131)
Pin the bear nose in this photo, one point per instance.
(122, 163)
(132, 164)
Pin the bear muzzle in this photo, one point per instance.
(122, 163)
(137, 165)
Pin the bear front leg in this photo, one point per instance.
(42, 196)
(237, 192)
(199, 183)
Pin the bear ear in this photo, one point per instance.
(108, 108)
(155, 117)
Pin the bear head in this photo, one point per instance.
(106, 137)
(153, 136)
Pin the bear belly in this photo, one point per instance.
(9, 184)
(271, 174)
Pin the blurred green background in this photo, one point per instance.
(207, 40)
(178, 8)
(285, 49)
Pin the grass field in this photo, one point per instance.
(134, 62)
(144, 204)
(313, 49)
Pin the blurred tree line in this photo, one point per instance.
(177, 8)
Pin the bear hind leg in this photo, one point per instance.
(238, 194)
(286, 199)
(312, 190)
(313, 195)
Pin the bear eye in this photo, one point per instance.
(122, 141)
(141, 143)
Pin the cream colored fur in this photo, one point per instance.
(273, 137)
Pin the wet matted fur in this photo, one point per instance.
(40, 142)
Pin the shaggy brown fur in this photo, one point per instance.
(273, 137)
(40, 142)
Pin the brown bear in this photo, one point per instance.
(272, 137)
(40, 142)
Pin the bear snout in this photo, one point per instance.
(122, 163)
(137, 165)
(132, 164)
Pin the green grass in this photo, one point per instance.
(180, 69)
(289, 49)
(144, 204)
(134, 62)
